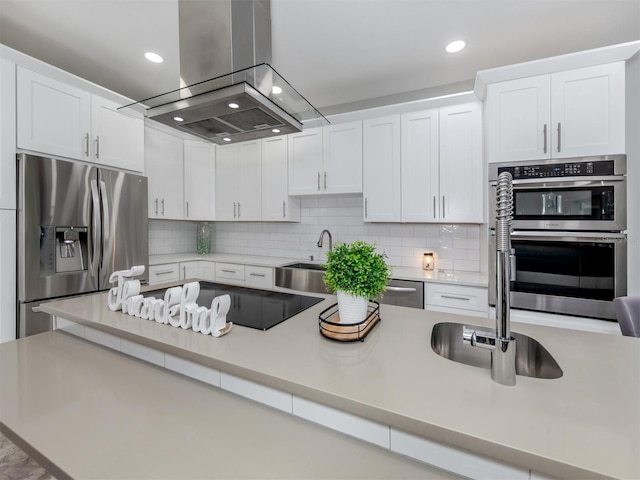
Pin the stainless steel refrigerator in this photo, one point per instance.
(77, 224)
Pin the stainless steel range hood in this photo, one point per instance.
(229, 93)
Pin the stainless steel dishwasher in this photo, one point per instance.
(405, 293)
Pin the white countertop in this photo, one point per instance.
(585, 424)
(475, 279)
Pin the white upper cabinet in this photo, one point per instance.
(461, 169)
(199, 180)
(277, 206)
(52, 117)
(420, 166)
(238, 191)
(342, 158)
(326, 160)
(57, 119)
(164, 168)
(118, 138)
(573, 113)
(7, 134)
(381, 169)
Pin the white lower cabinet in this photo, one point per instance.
(169, 272)
(456, 460)
(102, 338)
(192, 369)
(258, 277)
(189, 270)
(208, 271)
(142, 352)
(7, 275)
(341, 421)
(230, 273)
(255, 391)
(465, 300)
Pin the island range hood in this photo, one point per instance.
(229, 92)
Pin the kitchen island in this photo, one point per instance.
(585, 424)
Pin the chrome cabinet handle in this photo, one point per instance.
(257, 275)
(229, 271)
(284, 211)
(187, 209)
(162, 207)
(156, 201)
(86, 145)
(165, 272)
(443, 208)
(455, 297)
(434, 207)
(98, 147)
(544, 136)
(238, 209)
(366, 209)
(559, 135)
(234, 209)
(184, 272)
(325, 180)
(318, 181)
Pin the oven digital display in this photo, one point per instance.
(570, 169)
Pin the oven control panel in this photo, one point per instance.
(569, 169)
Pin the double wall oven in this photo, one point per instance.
(569, 235)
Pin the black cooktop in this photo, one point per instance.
(261, 309)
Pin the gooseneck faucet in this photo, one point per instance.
(322, 236)
(501, 344)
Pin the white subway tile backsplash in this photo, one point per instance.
(457, 247)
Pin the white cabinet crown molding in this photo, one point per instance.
(570, 61)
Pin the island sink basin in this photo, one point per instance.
(532, 359)
(306, 277)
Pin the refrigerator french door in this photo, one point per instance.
(77, 223)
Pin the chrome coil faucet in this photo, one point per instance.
(501, 343)
(322, 236)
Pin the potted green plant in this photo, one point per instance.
(356, 273)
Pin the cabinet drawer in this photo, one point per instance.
(260, 277)
(456, 297)
(230, 273)
(169, 272)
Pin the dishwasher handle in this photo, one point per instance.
(401, 289)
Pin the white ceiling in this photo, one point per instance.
(334, 52)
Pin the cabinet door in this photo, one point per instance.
(189, 270)
(420, 154)
(7, 275)
(118, 138)
(163, 166)
(249, 181)
(199, 180)
(276, 204)
(342, 158)
(381, 165)
(461, 167)
(226, 193)
(52, 117)
(518, 119)
(587, 111)
(7, 134)
(305, 162)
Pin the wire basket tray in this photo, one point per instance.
(332, 328)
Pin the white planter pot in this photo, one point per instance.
(351, 309)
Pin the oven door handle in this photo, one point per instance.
(564, 181)
(559, 236)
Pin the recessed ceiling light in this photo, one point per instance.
(226, 139)
(455, 46)
(178, 119)
(276, 130)
(234, 105)
(276, 89)
(153, 57)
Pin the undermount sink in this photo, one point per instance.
(306, 277)
(532, 359)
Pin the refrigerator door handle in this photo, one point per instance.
(95, 227)
(106, 221)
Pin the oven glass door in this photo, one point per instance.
(577, 203)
